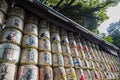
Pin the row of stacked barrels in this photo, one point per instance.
(34, 49)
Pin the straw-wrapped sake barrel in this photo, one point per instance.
(7, 71)
(9, 53)
(77, 62)
(44, 33)
(30, 41)
(45, 73)
(44, 45)
(27, 72)
(68, 61)
(57, 60)
(66, 50)
(59, 73)
(31, 28)
(79, 74)
(64, 40)
(56, 48)
(2, 18)
(17, 11)
(88, 75)
(74, 52)
(12, 36)
(29, 56)
(15, 22)
(45, 59)
(55, 37)
(85, 64)
(70, 74)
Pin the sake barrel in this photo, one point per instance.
(45, 59)
(66, 50)
(59, 73)
(88, 56)
(77, 37)
(64, 40)
(31, 28)
(11, 35)
(56, 47)
(70, 74)
(54, 28)
(55, 37)
(77, 62)
(30, 41)
(31, 18)
(57, 60)
(7, 71)
(29, 56)
(68, 61)
(79, 45)
(81, 54)
(72, 43)
(17, 11)
(85, 64)
(44, 33)
(70, 35)
(43, 24)
(28, 72)
(3, 6)
(46, 73)
(74, 52)
(9, 53)
(2, 18)
(15, 22)
(63, 32)
(87, 75)
(44, 45)
(79, 74)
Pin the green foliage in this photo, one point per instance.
(88, 13)
(108, 38)
(114, 32)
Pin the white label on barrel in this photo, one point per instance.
(44, 33)
(66, 50)
(7, 71)
(45, 58)
(59, 73)
(46, 73)
(30, 41)
(77, 62)
(56, 48)
(68, 61)
(31, 28)
(12, 35)
(28, 72)
(9, 55)
(55, 37)
(44, 44)
(58, 60)
(74, 52)
(64, 40)
(29, 56)
(70, 73)
(15, 22)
